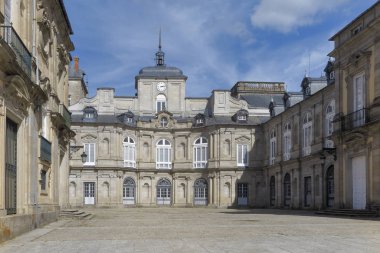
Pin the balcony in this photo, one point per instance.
(45, 150)
(355, 119)
(23, 56)
(65, 114)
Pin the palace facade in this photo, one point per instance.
(254, 145)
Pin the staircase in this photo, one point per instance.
(75, 214)
(348, 213)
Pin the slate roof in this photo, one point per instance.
(75, 74)
(262, 100)
(161, 71)
(209, 121)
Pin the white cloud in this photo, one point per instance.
(287, 15)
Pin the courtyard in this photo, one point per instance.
(201, 230)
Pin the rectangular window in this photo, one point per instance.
(43, 180)
(163, 158)
(287, 145)
(161, 106)
(307, 137)
(242, 155)
(129, 156)
(358, 92)
(89, 149)
(272, 151)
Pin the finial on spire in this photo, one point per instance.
(160, 61)
(159, 41)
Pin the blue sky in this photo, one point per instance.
(216, 43)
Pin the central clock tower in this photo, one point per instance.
(160, 88)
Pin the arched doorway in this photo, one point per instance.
(164, 192)
(330, 187)
(272, 191)
(200, 192)
(287, 190)
(129, 189)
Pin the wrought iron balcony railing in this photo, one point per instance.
(45, 150)
(355, 119)
(24, 57)
(65, 114)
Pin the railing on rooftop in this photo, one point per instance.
(24, 57)
(355, 119)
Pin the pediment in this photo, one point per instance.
(243, 139)
(89, 137)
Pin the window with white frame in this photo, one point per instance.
(163, 122)
(287, 141)
(242, 154)
(307, 134)
(160, 103)
(358, 92)
(200, 153)
(272, 147)
(89, 149)
(163, 154)
(129, 152)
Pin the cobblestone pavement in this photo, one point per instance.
(201, 230)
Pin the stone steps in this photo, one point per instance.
(348, 212)
(75, 214)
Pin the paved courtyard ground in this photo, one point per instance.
(201, 230)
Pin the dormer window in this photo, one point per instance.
(199, 120)
(89, 114)
(126, 118)
(241, 116)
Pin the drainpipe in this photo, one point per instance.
(34, 42)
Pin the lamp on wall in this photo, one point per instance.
(84, 157)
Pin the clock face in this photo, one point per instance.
(161, 86)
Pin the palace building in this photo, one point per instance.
(254, 145)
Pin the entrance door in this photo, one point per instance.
(307, 191)
(89, 193)
(272, 191)
(11, 167)
(164, 192)
(129, 187)
(330, 187)
(359, 183)
(200, 192)
(287, 190)
(242, 189)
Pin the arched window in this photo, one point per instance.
(160, 103)
(287, 141)
(163, 192)
(163, 158)
(200, 192)
(307, 133)
(272, 147)
(129, 152)
(200, 153)
(129, 188)
(287, 190)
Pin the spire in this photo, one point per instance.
(160, 56)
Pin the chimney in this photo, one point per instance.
(76, 64)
